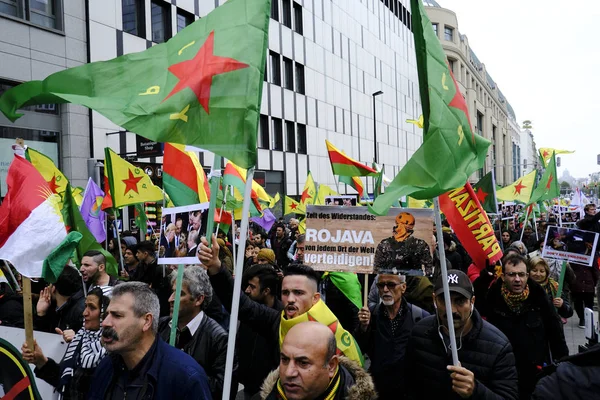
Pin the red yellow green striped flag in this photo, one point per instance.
(343, 165)
(184, 179)
(236, 176)
(355, 182)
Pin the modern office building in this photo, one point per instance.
(491, 114)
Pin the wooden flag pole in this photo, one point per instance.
(237, 286)
(28, 312)
(444, 273)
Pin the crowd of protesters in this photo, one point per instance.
(508, 322)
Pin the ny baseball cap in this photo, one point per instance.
(458, 282)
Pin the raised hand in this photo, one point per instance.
(43, 303)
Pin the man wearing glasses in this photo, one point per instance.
(520, 308)
(383, 336)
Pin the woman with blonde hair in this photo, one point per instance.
(539, 271)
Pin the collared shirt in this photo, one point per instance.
(194, 324)
(131, 384)
(396, 323)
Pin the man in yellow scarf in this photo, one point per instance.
(299, 295)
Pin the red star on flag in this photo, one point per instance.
(293, 206)
(550, 179)
(198, 73)
(458, 101)
(53, 186)
(131, 183)
(481, 195)
(305, 196)
(519, 187)
(545, 154)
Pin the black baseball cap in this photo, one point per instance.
(458, 282)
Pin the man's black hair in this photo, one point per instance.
(146, 246)
(68, 282)
(267, 277)
(280, 225)
(514, 259)
(304, 270)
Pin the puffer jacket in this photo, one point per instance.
(485, 351)
(208, 347)
(585, 278)
(576, 377)
(356, 384)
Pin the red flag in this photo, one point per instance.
(471, 225)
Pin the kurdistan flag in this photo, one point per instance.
(451, 150)
(183, 177)
(203, 87)
(520, 190)
(547, 188)
(355, 183)
(129, 184)
(343, 165)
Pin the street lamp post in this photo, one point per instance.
(375, 159)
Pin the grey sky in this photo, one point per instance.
(545, 57)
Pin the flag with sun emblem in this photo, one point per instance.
(31, 224)
(203, 87)
(90, 210)
(129, 184)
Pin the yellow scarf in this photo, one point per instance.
(321, 313)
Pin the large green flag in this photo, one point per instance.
(547, 188)
(485, 190)
(451, 150)
(74, 222)
(203, 87)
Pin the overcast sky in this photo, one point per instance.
(545, 57)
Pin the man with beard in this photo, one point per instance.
(256, 354)
(299, 295)
(429, 356)
(140, 364)
(93, 272)
(197, 334)
(384, 335)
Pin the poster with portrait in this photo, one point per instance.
(569, 244)
(340, 200)
(180, 231)
(350, 239)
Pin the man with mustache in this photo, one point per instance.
(383, 335)
(487, 367)
(140, 364)
(309, 369)
(299, 295)
(520, 309)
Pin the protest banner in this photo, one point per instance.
(181, 228)
(51, 344)
(471, 225)
(570, 244)
(346, 239)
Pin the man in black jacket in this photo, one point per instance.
(197, 334)
(280, 243)
(256, 355)
(487, 368)
(520, 309)
(383, 336)
(591, 219)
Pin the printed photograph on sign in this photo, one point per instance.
(180, 231)
(340, 200)
(569, 244)
(350, 239)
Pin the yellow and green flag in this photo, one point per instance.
(520, 190)
(324, 191)
(546, 153)
(547, 188)
(292, 206)
(129, 184)
(309, 194)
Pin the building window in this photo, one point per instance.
(184, 19)
(133, 17)
(288, 73)
(263, 132)
(161, 22)
(290, 137)
(40, 12)
(300, 78)
(435, 28)
(298, 18)
(301, 136)
(277, 134)
(449, 33)
(275, 9)
(286, 13)
(275, 68)
(9, 7)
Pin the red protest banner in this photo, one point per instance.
(471, 225)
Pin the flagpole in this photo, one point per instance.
(27, 312)
(535, 226)
(523, 228)
(237, 286)
(175, 316)
(444, 273)
(119, 246)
